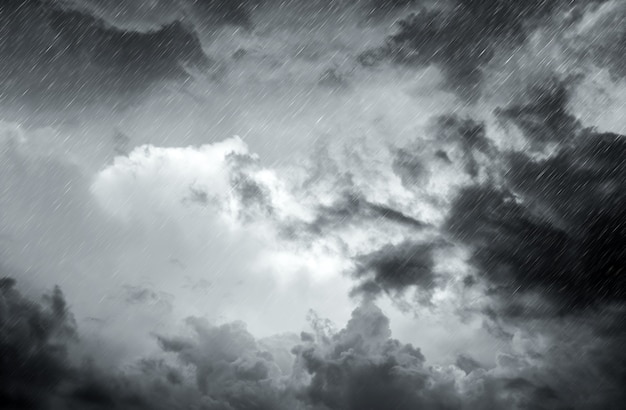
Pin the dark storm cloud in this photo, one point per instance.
(211, 14)
(53, 54)
(237, 12)
(363, 367)
(385, 212)
(584, 189)
(226, 368)
(352, 207)
(548, 227)
(462, 36)
(121, 12)
(229, 365)
(381, 7)
(33, 354)
(217, 367)
(546, 238)
(556, 229)
(156, 54)
(349, 209)
(395, 268)
(581, 180)
(470, 135)
(514, 251)
(543, 115)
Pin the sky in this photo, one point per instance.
(312, 205)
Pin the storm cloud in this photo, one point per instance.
(462, 37)
(557, 227)
(33, 342)
(312, 205)
(397, 267)
(56, 55)
(544, 116)
(225, 367)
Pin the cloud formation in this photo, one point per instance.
(54, 54)
(554, 228)
(225, 367)
(33, 342)
(432, 178)
(462, 37)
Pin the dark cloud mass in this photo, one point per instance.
(544, 116)
(211, 14)
(157, 53)
(351, 208)
(362, 367)
(237, 12)
(397, 267)
(225, 367)
(230, 370)
(471, 137)
(381, 7)
(33, 347)
(55, 55)
(462, 36)
(557, 228)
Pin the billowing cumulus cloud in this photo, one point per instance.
(37, 371)
(225, 367)
(362, 366)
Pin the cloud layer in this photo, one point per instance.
(424, 207)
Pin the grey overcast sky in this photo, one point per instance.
(312, 205)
